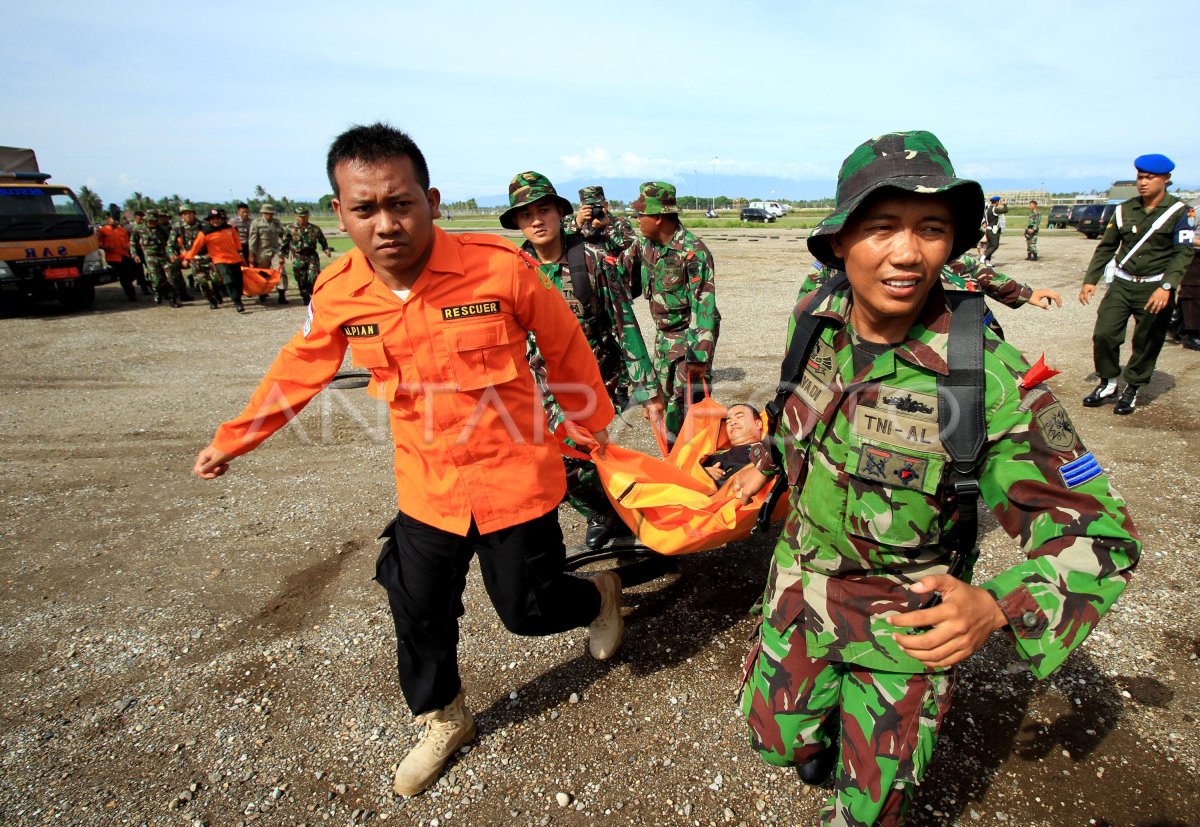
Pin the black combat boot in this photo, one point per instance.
(815, 770)
(1127, 401)
(282, 298)
(1106, 391)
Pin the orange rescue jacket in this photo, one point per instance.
(224, 245)
(470, 434)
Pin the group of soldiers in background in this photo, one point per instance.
(150, 253)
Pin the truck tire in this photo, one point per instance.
(79, 296)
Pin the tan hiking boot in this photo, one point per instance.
(606, 631)
(446, 730)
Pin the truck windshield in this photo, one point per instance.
(30, 213)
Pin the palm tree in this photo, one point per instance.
(92, 203)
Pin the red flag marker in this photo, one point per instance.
(1038, 373)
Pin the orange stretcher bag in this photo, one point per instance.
(669, 503)
(259, 281)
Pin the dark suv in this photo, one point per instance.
(1095, 218)
(1076, 213)
(1057, 217)
(757, 214)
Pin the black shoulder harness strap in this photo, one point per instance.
(581, 285)
(961, 420)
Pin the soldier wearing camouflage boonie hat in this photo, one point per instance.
(523, 190)
(655, 198)
(852, 669)
(302, 212)
(910, 161)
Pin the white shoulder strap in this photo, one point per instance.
(1155, 227)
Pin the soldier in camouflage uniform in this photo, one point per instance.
(850, 650)
(183, 236)
(607, 317)
(301, 240)
(266, 239)
(1031, 231)
(172, 263)
(597, 223)
(681, 286)
(149, 246)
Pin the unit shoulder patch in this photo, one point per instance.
(1056, 428)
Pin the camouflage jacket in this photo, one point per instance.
(183, 236)
(265, 237)
(966, 273)
(148, 242)
(1169, 251)
(1034, 222)
(303, 241)
(616, 340)
(870, 504)
(681, 286)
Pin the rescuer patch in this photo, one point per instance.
(360, 330)
(467, 311)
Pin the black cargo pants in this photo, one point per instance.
(424, 570)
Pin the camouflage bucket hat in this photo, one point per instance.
(186, 208)
(301, 212)
(591, 195)
(267, 208)
(523, 190)
(909, 161)
(655, 198)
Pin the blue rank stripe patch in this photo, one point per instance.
(1078, 471)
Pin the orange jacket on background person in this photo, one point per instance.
(114, 241)
(470, 433)
(223, 243)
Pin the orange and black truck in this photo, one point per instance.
(48, 246)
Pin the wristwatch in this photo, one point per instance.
(760, 456)
(1166, 285)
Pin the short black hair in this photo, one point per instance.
(368, 144)
(242, 205)
(753, 409)
(1033, 201)
(136, 213)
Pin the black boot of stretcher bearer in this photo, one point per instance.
(603, 528)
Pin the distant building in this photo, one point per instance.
(1122, 190)
(1022, 196)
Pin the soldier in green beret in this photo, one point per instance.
(681, 287)
(863, 621)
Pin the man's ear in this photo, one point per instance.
(435, 201)
(835, 244)
(337, 210)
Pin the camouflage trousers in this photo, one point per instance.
(305, 269)
(1031, 244)
(160, 281)
(175, 273)
(885, 724)
(205, 275)
(670, 354)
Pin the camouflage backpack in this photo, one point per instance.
(961, 422)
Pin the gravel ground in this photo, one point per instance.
(181, 652)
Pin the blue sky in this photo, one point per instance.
(210, 100)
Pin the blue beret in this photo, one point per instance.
(1154, 164)
(995, 198)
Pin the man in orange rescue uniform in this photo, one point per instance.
(441, 322)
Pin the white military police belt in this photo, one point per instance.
(1121, 274)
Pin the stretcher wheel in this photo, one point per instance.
(636, 564)
(350, 379)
